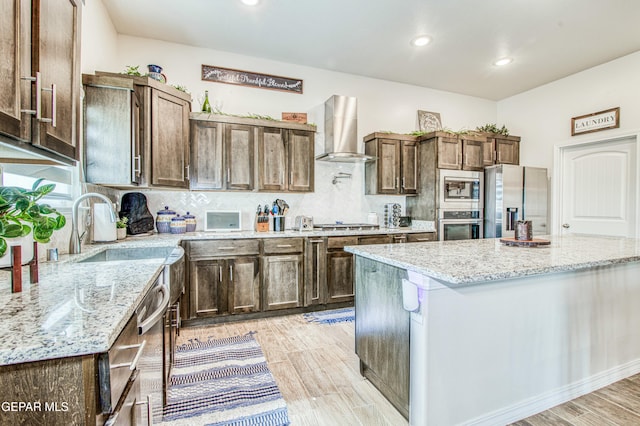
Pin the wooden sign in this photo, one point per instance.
(601, 120)
(296, 117)
(251, 79)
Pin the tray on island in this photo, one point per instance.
(534, 242)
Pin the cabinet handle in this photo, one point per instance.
(220, 273)
(284, 246)
(188, 170)
(38, 111)
(397, 183)
(315, 241)
(134, 363)
(51, 120)
(225, 248)
(422, 239)
(402, 182)
(136, 161)
(231, 273)
(499, 159)
(228, 174)
(290, 178)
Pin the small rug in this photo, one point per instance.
(331, 317)
(223, 382)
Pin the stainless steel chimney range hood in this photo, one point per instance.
(341, 131)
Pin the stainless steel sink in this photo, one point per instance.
(114, 254)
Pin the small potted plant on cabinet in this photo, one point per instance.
(121, 227)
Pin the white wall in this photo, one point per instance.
(99, 38)
(542, 116)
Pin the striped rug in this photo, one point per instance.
(331, 317)
(223, 382)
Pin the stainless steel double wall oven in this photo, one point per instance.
(460, 204)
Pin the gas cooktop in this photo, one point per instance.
(345, 226)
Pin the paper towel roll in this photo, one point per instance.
(103, 228)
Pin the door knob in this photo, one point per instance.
(566, 226)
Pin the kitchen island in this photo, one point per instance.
(476, 332)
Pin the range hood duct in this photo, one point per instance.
(341, 131)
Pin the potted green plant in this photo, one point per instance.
(121, 227)
(22, 217)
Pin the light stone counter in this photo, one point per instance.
(476, 261)
(81, 308)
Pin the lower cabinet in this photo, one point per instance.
(282, 281)
(224, 286)
(241, 276)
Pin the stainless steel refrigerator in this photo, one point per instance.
(513, 193)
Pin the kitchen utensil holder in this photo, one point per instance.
(262, 223)
(278, 223)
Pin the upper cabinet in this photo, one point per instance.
(500, 149)
(234, 153)
(39, 79)
(395, 168)
(136, 132)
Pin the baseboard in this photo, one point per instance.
(555, 397)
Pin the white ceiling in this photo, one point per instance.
(547, 39)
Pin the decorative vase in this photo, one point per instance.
(27, 250)
(121, 233)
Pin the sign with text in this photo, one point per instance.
(607, 119)
(251, 79)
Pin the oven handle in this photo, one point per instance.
(152, 319)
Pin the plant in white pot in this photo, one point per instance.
(22, 217)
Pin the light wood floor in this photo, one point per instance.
(317, 372)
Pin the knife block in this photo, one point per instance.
(262, 223)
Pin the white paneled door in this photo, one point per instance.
(599, 188)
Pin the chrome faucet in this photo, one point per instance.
(74, 243)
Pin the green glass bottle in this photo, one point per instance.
(206, 106)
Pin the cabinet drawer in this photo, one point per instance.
(282, 245)
(421, 237)
(339, 242)
(114, 371)
(374, 239)
(223, 248)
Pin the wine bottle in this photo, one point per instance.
(206, 106)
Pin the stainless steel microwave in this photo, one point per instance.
(460, 189)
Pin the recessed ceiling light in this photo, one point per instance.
(421, 40)
(502, 62)
(250, 2)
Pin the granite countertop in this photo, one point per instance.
(80, 308)
(476, 261)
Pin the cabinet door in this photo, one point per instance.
(315, 272)
(169, 140)
(55, 55)
(244, 284)
(300, 145)
(238, 140)
(507, 152)
(207, 286)
(409, 178)
(15, 93)
(489, 152)
(339, 277)
(207, 164)
(272, 159)
(111, 135)
(449, 153)
(388, 166)
(283, 282)
(472, 155)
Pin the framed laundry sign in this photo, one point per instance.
(594, 122)
(251, 79)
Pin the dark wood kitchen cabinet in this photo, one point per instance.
(472, 152)
(245, 154)
(111, 131)
(285, 160)
(40, 76)
(500, 149)
(340, 269)
(457, 152)
(282, 273)
(395, 168)
(159, 139)
(224, 277)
